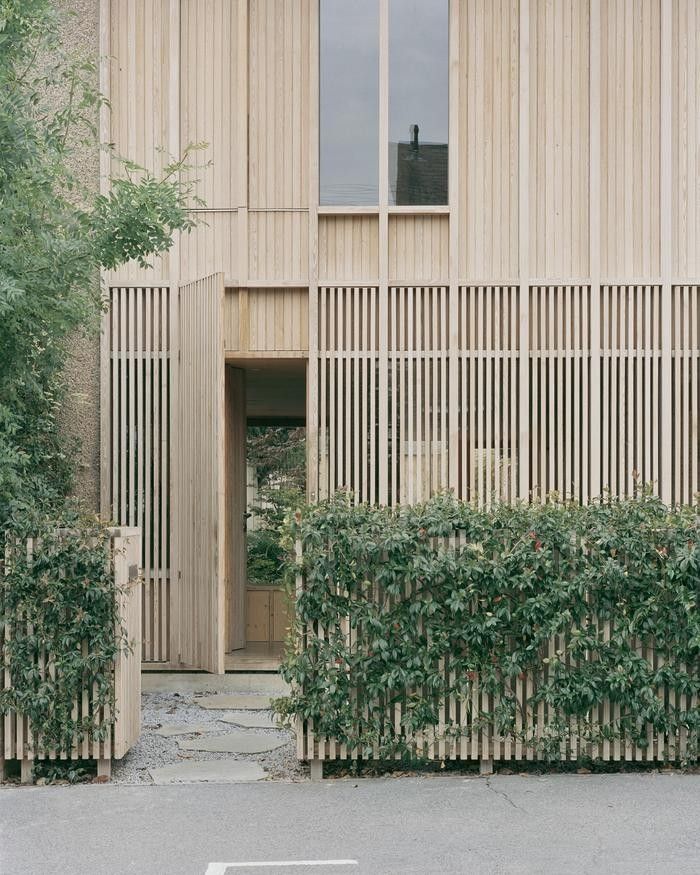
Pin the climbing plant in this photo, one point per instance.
(413, 605)
(62, 629)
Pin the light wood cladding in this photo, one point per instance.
(279, 103)
(686, 138)
(211, 245)
(278, 246)
(270, 321)
(488, 138)
(139, 77)
(348, 248)
(559, 81)
(419, 249)
(209, 97)
(630, 134)
(257, 188)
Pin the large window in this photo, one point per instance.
(415, 50)
(349, 110)
(418, 101)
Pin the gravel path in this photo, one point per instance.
(153, 750)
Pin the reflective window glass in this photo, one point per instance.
(418, 101)
(349, 102)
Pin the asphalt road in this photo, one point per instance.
(555, 824)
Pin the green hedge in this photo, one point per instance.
(488, 609)
(60, 630)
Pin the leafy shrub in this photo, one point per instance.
(266, 552)
(278, 455)
(62, 630)
(611, 583)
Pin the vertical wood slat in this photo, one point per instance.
(666, 240)
(138, 329)
(524, 245)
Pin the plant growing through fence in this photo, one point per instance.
(61, 631)
(410, 606)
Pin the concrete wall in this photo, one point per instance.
(80, 420)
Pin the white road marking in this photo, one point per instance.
(220, 868)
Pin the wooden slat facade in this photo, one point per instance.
(539, 332)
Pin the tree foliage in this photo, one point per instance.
(55, 235)
(278, 455)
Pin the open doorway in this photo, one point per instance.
(265, 477)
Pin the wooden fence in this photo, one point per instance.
(17, 741)
(467, 730)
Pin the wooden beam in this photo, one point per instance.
(313, 424)
(455, 148)
(524, 250)
(666, 250)
(591, 487)
(382, 408)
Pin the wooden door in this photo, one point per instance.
(236, 501)
(199, 505)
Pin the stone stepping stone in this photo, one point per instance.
(252, 720)
(233, 742)
(227, 702)
(208, 771)
(170, 730)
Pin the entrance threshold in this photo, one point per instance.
(256, 656)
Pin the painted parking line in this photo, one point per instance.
(220, 868)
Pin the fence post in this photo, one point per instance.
(300, 729)
(126, 548)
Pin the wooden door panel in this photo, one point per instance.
(199, 500)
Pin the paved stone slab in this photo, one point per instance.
(252, 720)
(208, 771)
(233, 742)
(235, 703)
(169, 730)
(241, 682)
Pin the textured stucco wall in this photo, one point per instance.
(80, 419)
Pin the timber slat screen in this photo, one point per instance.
(137, 329)
(573, 378)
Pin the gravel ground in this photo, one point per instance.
(152, 750)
